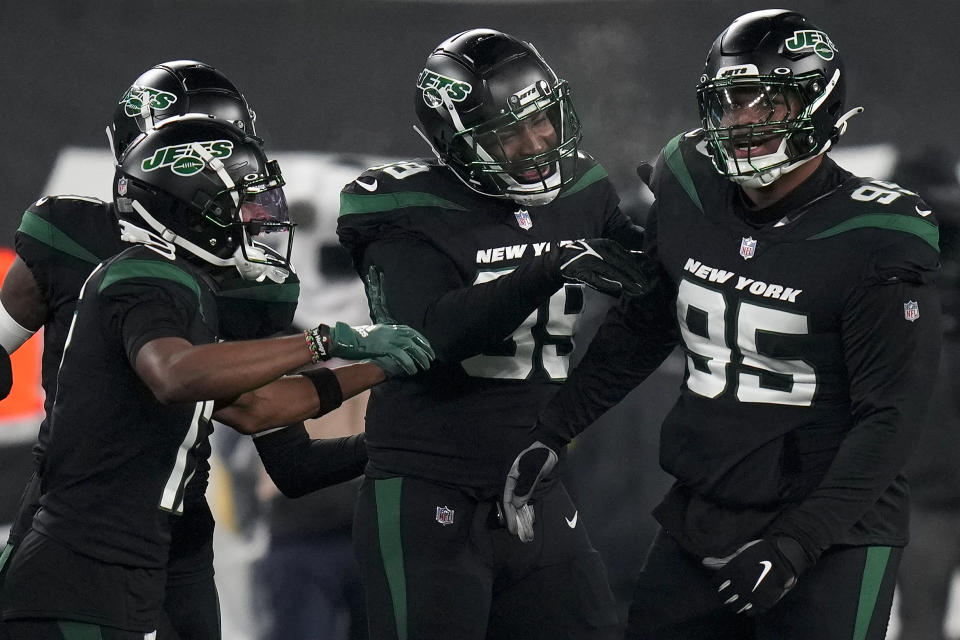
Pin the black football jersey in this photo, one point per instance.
(811, 343)
(61, 239)
(118, 462)
(468, 271)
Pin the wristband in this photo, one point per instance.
(318, 341)
(328, 388)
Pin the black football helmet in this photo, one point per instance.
(204, 189)
(770, 75)
(176, 88)
(475, 90)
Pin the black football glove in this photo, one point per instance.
(604, 265)
(758, 574)
(528, 468)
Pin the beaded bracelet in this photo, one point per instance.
(318, 341)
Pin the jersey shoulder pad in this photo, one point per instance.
(888, 208)
(141, 265)
(684, 164)
(82, 227)
(402, 186)
(589, 173)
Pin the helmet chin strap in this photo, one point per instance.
(169, 236)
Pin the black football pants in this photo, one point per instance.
(846, 595)
(437, 565)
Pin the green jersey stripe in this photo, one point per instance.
(924, 230)
(41, 230)
(126, 269)
(593, 175)
(351, 203)
(674, 159)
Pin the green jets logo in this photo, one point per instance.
(812, 40)
(432, 83)
(136, 96)
(183, 159)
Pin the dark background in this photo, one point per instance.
(339, 76)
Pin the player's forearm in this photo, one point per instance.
(296, 398)
(287, 400)
(180, 372)
(298, 465)
(463, 322)
(631, 344)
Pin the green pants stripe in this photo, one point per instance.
(873, 570)
(391, 547)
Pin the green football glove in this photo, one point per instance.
(370, 341)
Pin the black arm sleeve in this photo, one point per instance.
(635, 338)
(423, 288)
(299, 465)
(892, 363)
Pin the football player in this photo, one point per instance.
(483, 249)
(803, 298)
(143, 375)
(61, 239)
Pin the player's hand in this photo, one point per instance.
(403, 362)
(529, 467)
(376, 298)
(604, 265)
(758, 574)
(370, 341)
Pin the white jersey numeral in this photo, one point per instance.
(703, 315)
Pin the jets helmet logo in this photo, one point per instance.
(811, 40)
(137, 97)
(433, 83)
(183, 159)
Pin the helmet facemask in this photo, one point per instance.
(489, 156)
(259, 218)
(761, 127)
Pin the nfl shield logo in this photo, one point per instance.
(747, 248)
(444, 516)
(911, 310)
(122, 186)
(523, 218)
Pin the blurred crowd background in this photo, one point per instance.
(333, 86)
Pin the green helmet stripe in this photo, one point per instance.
(926, 231)
(42, 231)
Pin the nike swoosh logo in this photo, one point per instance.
(767, 565)
(369, 187)
(572, 522)
(924, 212)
